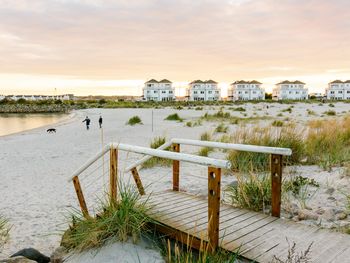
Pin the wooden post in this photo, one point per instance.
(276, 182)
(214, 178)
(138, 182)
(80, 196)
(176, 169)
(113, 174)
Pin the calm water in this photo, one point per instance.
(12, 123)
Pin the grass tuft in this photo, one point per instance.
(221, 128)
(156, 161)
(174, 117)
(116, 221)
(134, 120)
(4, 231)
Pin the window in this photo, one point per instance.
(170, 92)
(210, 92)
(332, 92)
(194, 92)
(148, 91)
(340, 91)
(163, 91)
(202, 92)
(155, 91)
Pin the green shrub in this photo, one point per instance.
(331, 105)
(116, 221)
(134, 120)
(174, 117)
(296, 183)
(238, 109)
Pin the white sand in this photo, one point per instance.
(35, 166)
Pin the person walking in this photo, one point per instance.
(87, 122)
(100, 121)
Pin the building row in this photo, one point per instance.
(38, 97)
(208, 90)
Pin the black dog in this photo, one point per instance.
(32, 254)
(51, 130)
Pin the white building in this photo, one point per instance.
(40, 97)
(290, 90)
(158, 90)
(246, 90)
(203, 91)
(338, 90)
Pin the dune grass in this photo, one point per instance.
(4, 231)
(115, 221)
(176, 252)
(174, 117)
(328, 142)
(288, 137)
(251, 191)
(221, 128)
(134, 120)
(157, 161)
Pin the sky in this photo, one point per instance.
(111, 47)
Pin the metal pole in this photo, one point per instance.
(152, 120)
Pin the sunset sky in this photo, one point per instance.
(111, 47)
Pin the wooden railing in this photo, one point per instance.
(214, 174)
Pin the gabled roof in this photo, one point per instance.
(165, 81)
(255, 82)
(336, 81)
(151, 81)
(210, 81)
(246, 82)
(291, 82)
(198, 81)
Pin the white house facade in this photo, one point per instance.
(39, 97)
(338, 90)
(203, 91)
(246, 90)
(290, 90)
(158, 90)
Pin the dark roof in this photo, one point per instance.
(246, 82)
(291, 82)
(165, 81)
(151, 81)
(336, 81)
(255, 82)
(210, 81)
(196, 81)
(347, 81)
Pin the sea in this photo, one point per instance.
(11, 123)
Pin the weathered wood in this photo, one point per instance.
(113, 176)
(214, 180)
(176, 169)
(276, 182)
(80, 196)
(138, 181)
(254, 235)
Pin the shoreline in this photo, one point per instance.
(65, 120)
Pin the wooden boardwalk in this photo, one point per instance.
(256, 236)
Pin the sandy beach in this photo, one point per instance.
(35, 166)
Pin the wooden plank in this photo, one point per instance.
(276, 182)
(177, 200)
(113, 168)
(138, 181)
(231, 234)
(80, 196)
(177, 209)
(176, 169)
(214, 194)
